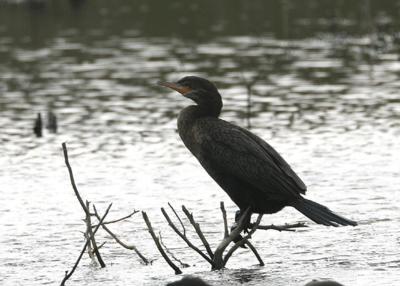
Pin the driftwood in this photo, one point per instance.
(69, 274)
(159, 246)
(91, 229)
(216, 258)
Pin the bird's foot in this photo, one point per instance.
(247, 223)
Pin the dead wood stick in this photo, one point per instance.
(285, 227)
(178, 217)
(71, 177)
(130, 247)
(218, 259)
(243, 240)
(226, 231)
(184, 265)
(118, 220)
(254, 250)
(184, 237)
(198, 231)
(92, 238)
(157, 242)
(102, 244)
(69, 274)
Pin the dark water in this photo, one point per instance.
(324, 82)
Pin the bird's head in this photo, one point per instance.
(198, 89)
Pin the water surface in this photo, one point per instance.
(324, 92)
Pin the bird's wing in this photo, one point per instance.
(240, 153)
(279, 161)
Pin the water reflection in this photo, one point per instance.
(324, 91)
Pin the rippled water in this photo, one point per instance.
(328, 102)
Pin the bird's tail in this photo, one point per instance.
(321, 214)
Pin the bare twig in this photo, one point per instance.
(226, 231)
(157, 242)
(184, 265)
(242, 241)
(89, 247)
(184, 237)
(92, 238)
(130, 247)
(198, 231)
(69, 274)
(71, 177)
(102, 244)
(254, 250)
(285, 227)
(118, 220)
(178, 217)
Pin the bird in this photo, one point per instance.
(253, 174)
(189, 281)
(323, 283)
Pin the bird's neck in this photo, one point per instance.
(189, 115)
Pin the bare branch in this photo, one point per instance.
(102, 244)
(130, 247)
(254, 250)
(184, 265)
(71, 177)
(285, 227)
(157, 242)
(243, 240)
(185, 239)
(69, 274)
(198, 231)
(92, 238)
(218, 260)
(226, 231)
(118, 220)
(178, 217)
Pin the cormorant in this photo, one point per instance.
(249, 170)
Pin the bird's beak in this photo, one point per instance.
(179, 88)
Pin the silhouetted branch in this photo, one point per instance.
(159, 247)
(69, 274)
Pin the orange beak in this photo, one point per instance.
(179, 88)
